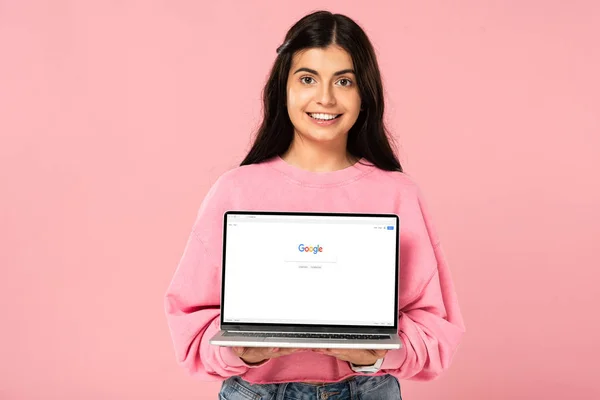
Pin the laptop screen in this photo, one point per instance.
(310, 269)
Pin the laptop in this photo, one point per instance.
(309, 280)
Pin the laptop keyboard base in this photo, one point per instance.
(338, 336)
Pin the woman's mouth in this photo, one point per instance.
(322, 119)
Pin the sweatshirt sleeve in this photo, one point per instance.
(430, 322)
(192, 300)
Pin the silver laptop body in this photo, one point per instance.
(309, 280)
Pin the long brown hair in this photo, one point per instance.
(368, 138)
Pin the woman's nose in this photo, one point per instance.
(325, 96)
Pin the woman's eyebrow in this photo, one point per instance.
(312, 71)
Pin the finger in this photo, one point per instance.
(279, 352)
(288, 351)
(379, 353)
(238, 350)
(322, 351)
(332, 352)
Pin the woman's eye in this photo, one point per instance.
(307, 80)
(345, 82)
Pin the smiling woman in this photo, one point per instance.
(324, 92)
(323, 100)
(322, 146)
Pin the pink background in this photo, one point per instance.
(115, 118)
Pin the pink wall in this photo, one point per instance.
(115, 117)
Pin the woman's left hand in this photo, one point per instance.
(354, 356)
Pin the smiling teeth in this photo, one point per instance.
(324, 117)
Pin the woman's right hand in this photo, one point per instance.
(256, 355)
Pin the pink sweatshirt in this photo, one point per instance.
(430, 323)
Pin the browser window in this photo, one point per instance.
(323, 270)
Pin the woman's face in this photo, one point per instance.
(323, 100)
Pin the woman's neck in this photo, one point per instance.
(318, 158)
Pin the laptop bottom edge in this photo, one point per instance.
(393, 343)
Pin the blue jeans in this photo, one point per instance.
(383, 387)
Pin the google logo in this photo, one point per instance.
(310, 249)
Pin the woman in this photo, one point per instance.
(322, 146)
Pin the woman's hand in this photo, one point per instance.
(256, 355)
(355, 356)
(358, 357)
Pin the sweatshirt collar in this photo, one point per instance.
(330, 178)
